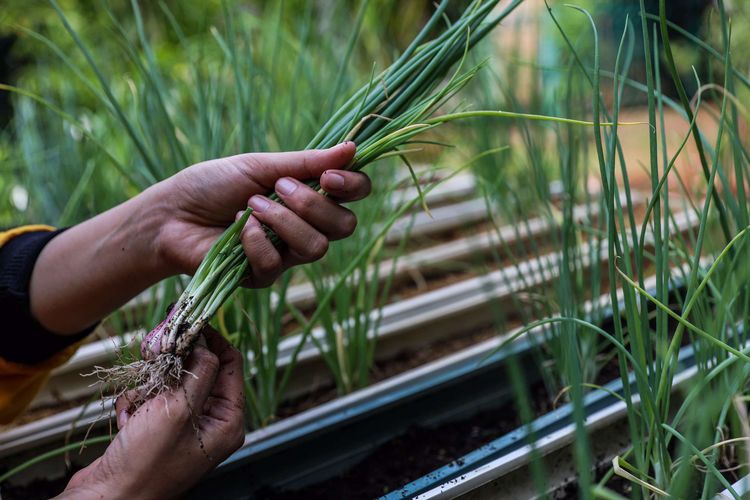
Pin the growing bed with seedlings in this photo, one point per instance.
(512, 320)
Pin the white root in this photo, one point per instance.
(151, 377)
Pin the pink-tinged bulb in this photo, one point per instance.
(151, 344)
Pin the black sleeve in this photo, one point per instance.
(23, 339)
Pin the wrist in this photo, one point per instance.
(140, 236)
(95, 267)
(157, 212)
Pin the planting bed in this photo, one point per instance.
(413, 269)
(501, 469)
(476, 395)
(416, 376)
(450, 314)
(31, 438)
(467, 359)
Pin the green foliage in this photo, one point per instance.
(351, 323)
(713, 305)
(160, 92)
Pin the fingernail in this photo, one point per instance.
(334, 180)
(122, 418)
(285, 186)
(259, 203)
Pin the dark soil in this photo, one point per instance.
(421, 450)
(418, 451)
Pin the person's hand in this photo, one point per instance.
(93, 268)
(201, 201)
(167, 444)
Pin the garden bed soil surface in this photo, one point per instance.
(417, 452)
(421, 450)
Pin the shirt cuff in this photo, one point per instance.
(26, 340)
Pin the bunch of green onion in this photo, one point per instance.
(381, 117)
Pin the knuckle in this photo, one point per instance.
(268, 265)
(234, 431)
(251, 235)
(179, 413)
(308, 202)
(312, 160)
(282, 217)
(247, 164)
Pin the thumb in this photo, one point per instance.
(267, 168)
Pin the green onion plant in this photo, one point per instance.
(351, 323)
(679, 440)
(394, 107)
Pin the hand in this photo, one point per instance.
(205, 198)
(93, 268)
(165, 446)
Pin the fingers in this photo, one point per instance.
(344, 186)
(310, 219)
(125, 404)
(215, 342)
(321, 212)
(304, 242)
(203, 367)
(229, 385)
(267, 168)
(265, 261)
(223, 411)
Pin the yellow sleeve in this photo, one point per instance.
(19, 383)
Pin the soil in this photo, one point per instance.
(417, 452)
(421, 450)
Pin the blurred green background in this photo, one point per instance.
(205, 79)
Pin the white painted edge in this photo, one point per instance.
(501, 466)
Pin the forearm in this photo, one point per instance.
(95, 267)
